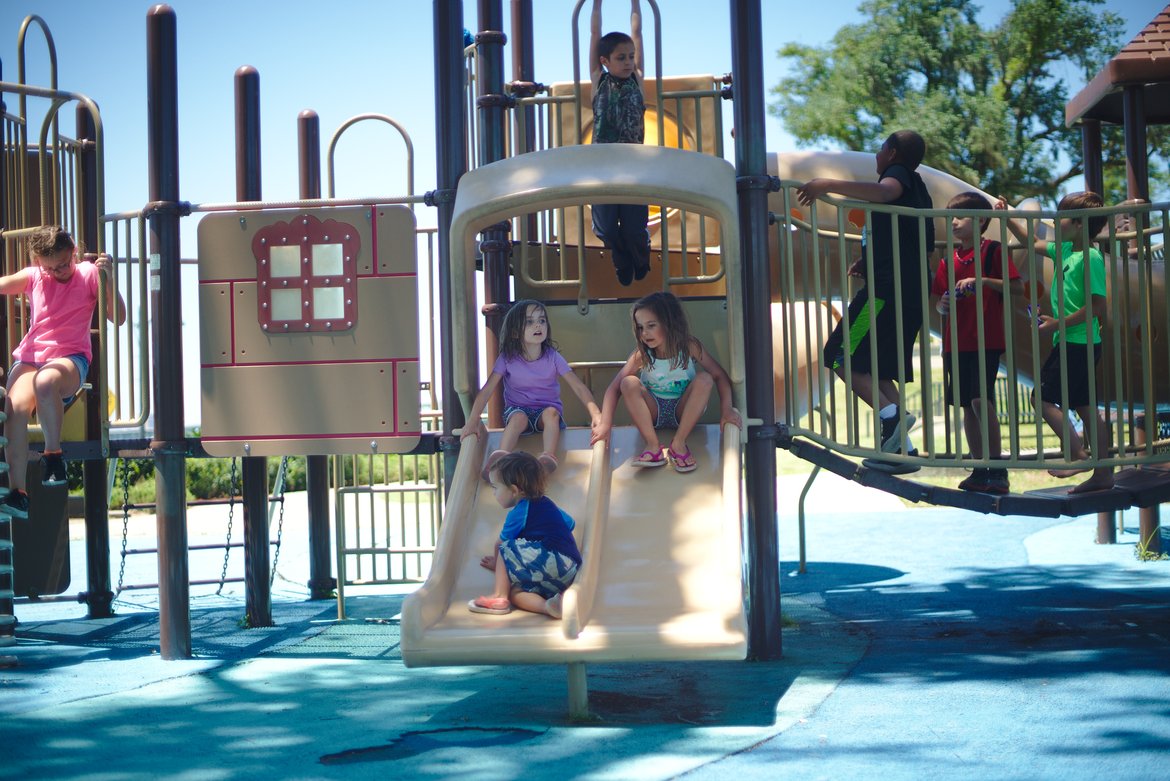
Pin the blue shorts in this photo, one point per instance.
(667, 413)
(532, 413)
(79, 360)
(536, 569)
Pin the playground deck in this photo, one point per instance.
(920, 642)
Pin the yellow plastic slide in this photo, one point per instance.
(662, 576)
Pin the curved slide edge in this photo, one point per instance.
(661, 579)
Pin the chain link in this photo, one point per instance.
(227, 546)
(125, 518)
(281, 476)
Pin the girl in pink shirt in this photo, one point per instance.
(529, 367)
(52, 359)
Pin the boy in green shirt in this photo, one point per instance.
(1078, 299)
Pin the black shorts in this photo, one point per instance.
(1078, 375)
(885, 326)
(969, 387)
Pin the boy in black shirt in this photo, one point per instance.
(899, 184)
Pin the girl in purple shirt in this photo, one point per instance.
(529, 367)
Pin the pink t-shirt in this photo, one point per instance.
(61, 314)
(533, 383)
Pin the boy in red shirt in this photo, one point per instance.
(960, 304)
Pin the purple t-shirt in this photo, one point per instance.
(532, 383)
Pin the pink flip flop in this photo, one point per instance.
(490, 462)
(649, 458)
(496, 606)
(683, 462)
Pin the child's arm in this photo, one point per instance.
(609, 401)
(727, 413)
(474, 425)
(489, 562)
(884, 191)
(594, 44)
(1020, 231)
(14, 284)
(115, 307)
(581, 390)
(636, 35)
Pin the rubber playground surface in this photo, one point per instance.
(920, 642)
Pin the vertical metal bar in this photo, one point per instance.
(451, 163)
(321, 582)
(492, 124)
(1137, 171)
(763, 551)
(169, 445)
(98, 596)
(1091, 152)
(257, 555)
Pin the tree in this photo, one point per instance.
(990, 102)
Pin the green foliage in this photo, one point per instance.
(213, 478)
(989, 102)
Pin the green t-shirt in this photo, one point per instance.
(1074, 298)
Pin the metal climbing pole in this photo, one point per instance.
(258, 597)
(169, 444)
(763, 552)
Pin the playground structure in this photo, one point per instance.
(715, 246)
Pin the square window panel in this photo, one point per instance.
(286, 304)
(328, 303)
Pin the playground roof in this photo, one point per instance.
(1143, 62)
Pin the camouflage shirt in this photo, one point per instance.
(618, 111)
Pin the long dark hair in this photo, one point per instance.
(512, 329)
(668, 311)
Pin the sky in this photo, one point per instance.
(344, 58)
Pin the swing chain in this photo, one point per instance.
(227, 546)
(280, 479)
(125, 518)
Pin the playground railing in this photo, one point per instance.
(1130, 387)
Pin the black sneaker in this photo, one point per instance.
(997, 482)
(15, 504)
(894, 430)
(976, 481)
(641, 269)
(53, 470)
(625, 275)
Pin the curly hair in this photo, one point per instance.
(522, 470)
(512, 329)
(49, 240)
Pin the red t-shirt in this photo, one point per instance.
(991, 256)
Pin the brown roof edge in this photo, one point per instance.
(1144, 60)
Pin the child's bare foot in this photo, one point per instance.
(1062, 473)
(552, 605)
(1095, 483)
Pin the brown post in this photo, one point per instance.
(321, 580)
(98, 596)
(1091, 150)
(257, 557)
(169, 444)
(1137, 171)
